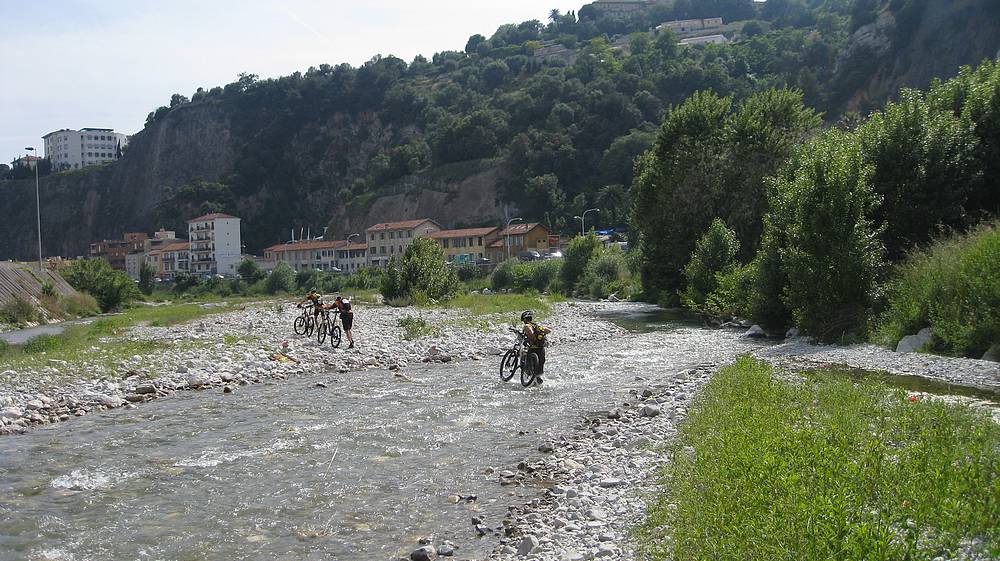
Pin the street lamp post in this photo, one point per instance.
(350, 256)
(507, 238)
(38, 209)
(583, 218)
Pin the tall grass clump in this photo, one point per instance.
(17, 311)
(826, 468)
(952, 286)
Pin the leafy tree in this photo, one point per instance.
(424, 270)
(250, 271)
(473, 44)
(714, 255)
(281, 280)
(146, 274)
(832, 256)
(112, 288)
(579, 253)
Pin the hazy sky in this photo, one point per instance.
(108, 63)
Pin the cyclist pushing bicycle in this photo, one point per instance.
(536, 336)
(315, 300)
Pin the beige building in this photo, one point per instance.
(466, 246)
(352, 257)
(620, 7)
(518, 240)
(690, 25)
(390, 239)
(705, 40)
(175, 259)
(320, 255)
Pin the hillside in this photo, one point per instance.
(470, 135)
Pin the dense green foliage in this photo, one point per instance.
(146, 275)
(540, 276)
(710, 161)
(112, 289)
(421, 275)
(829, 251)
(281, 279)
(826, 468)
(714, 256)
(564, 131)
(834, 212)
(952, 286)
(17, 311)
(578, 254)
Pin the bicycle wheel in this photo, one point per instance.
(310, 326)
(321, 332)
(300, 325)
(509, 365)
(335, 336)
(530, 369)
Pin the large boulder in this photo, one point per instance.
(993, 353)
(425, 553)
(913, 343)
(755, 332)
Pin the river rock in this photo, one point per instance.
(35, 404)
(913, 343)
(425, 553)
(993, 353)
(546, 448)
(791, 333)
(527, 545)
(755, 332)
(11, 413)
(106, 400)
(650, 410)
(145, 389)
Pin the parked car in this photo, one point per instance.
(530, 255)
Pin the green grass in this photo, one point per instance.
(826, 469)
(76, 344)
(479, 304)
(952, 286)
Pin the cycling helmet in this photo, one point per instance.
(527, 316)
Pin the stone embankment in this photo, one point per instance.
(227, 350)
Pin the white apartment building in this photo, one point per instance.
(390, 239)
(690, 25)
(71, 149)
(216, 245)
(352, 257)
(133, 264)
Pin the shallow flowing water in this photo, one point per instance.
(358, 470)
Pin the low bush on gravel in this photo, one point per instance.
(17, 311)
(112, 289)
(826, 468)
(414, 328)
(954, 287)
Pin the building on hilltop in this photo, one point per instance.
(705, 40)
(690, 25)
(391, 239)
(470, 245)
(553, 50)
(71, 149)
(216, 244)
(28, 161)
(620, 7)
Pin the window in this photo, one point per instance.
(381, 236)
(392, 235)
(409, 234)
(480, 243)
(444, 243)
(382, 250)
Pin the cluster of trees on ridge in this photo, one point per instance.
(564, 135)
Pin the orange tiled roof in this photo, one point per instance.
(468, 232)
(213, 216)
(180, 246)
(404, 225)
(516, 229)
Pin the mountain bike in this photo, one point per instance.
(306, 322)
(518, 359)
(328, 326)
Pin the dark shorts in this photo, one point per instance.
(347, 320)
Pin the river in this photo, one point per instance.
(358, 470)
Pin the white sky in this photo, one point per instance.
(108, 63)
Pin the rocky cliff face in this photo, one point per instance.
(101, 202)
(895, 52)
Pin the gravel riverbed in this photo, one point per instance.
(595, 480)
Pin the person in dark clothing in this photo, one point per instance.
(536, 336)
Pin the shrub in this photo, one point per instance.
(733, 294)
(414, 328)
(48, 289)
(250, 271)
(607, 273)
(41, 344)
(714, 254)
(467, 272)
(952, 286)
(185, 282)
(18, 311)
(503, 276)
(577, 256)
(545, 275)
(420, 276)
(4, 347)
(308, 279)
(79, 305)
(281, 279)
(112, 289)
(146, 274)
